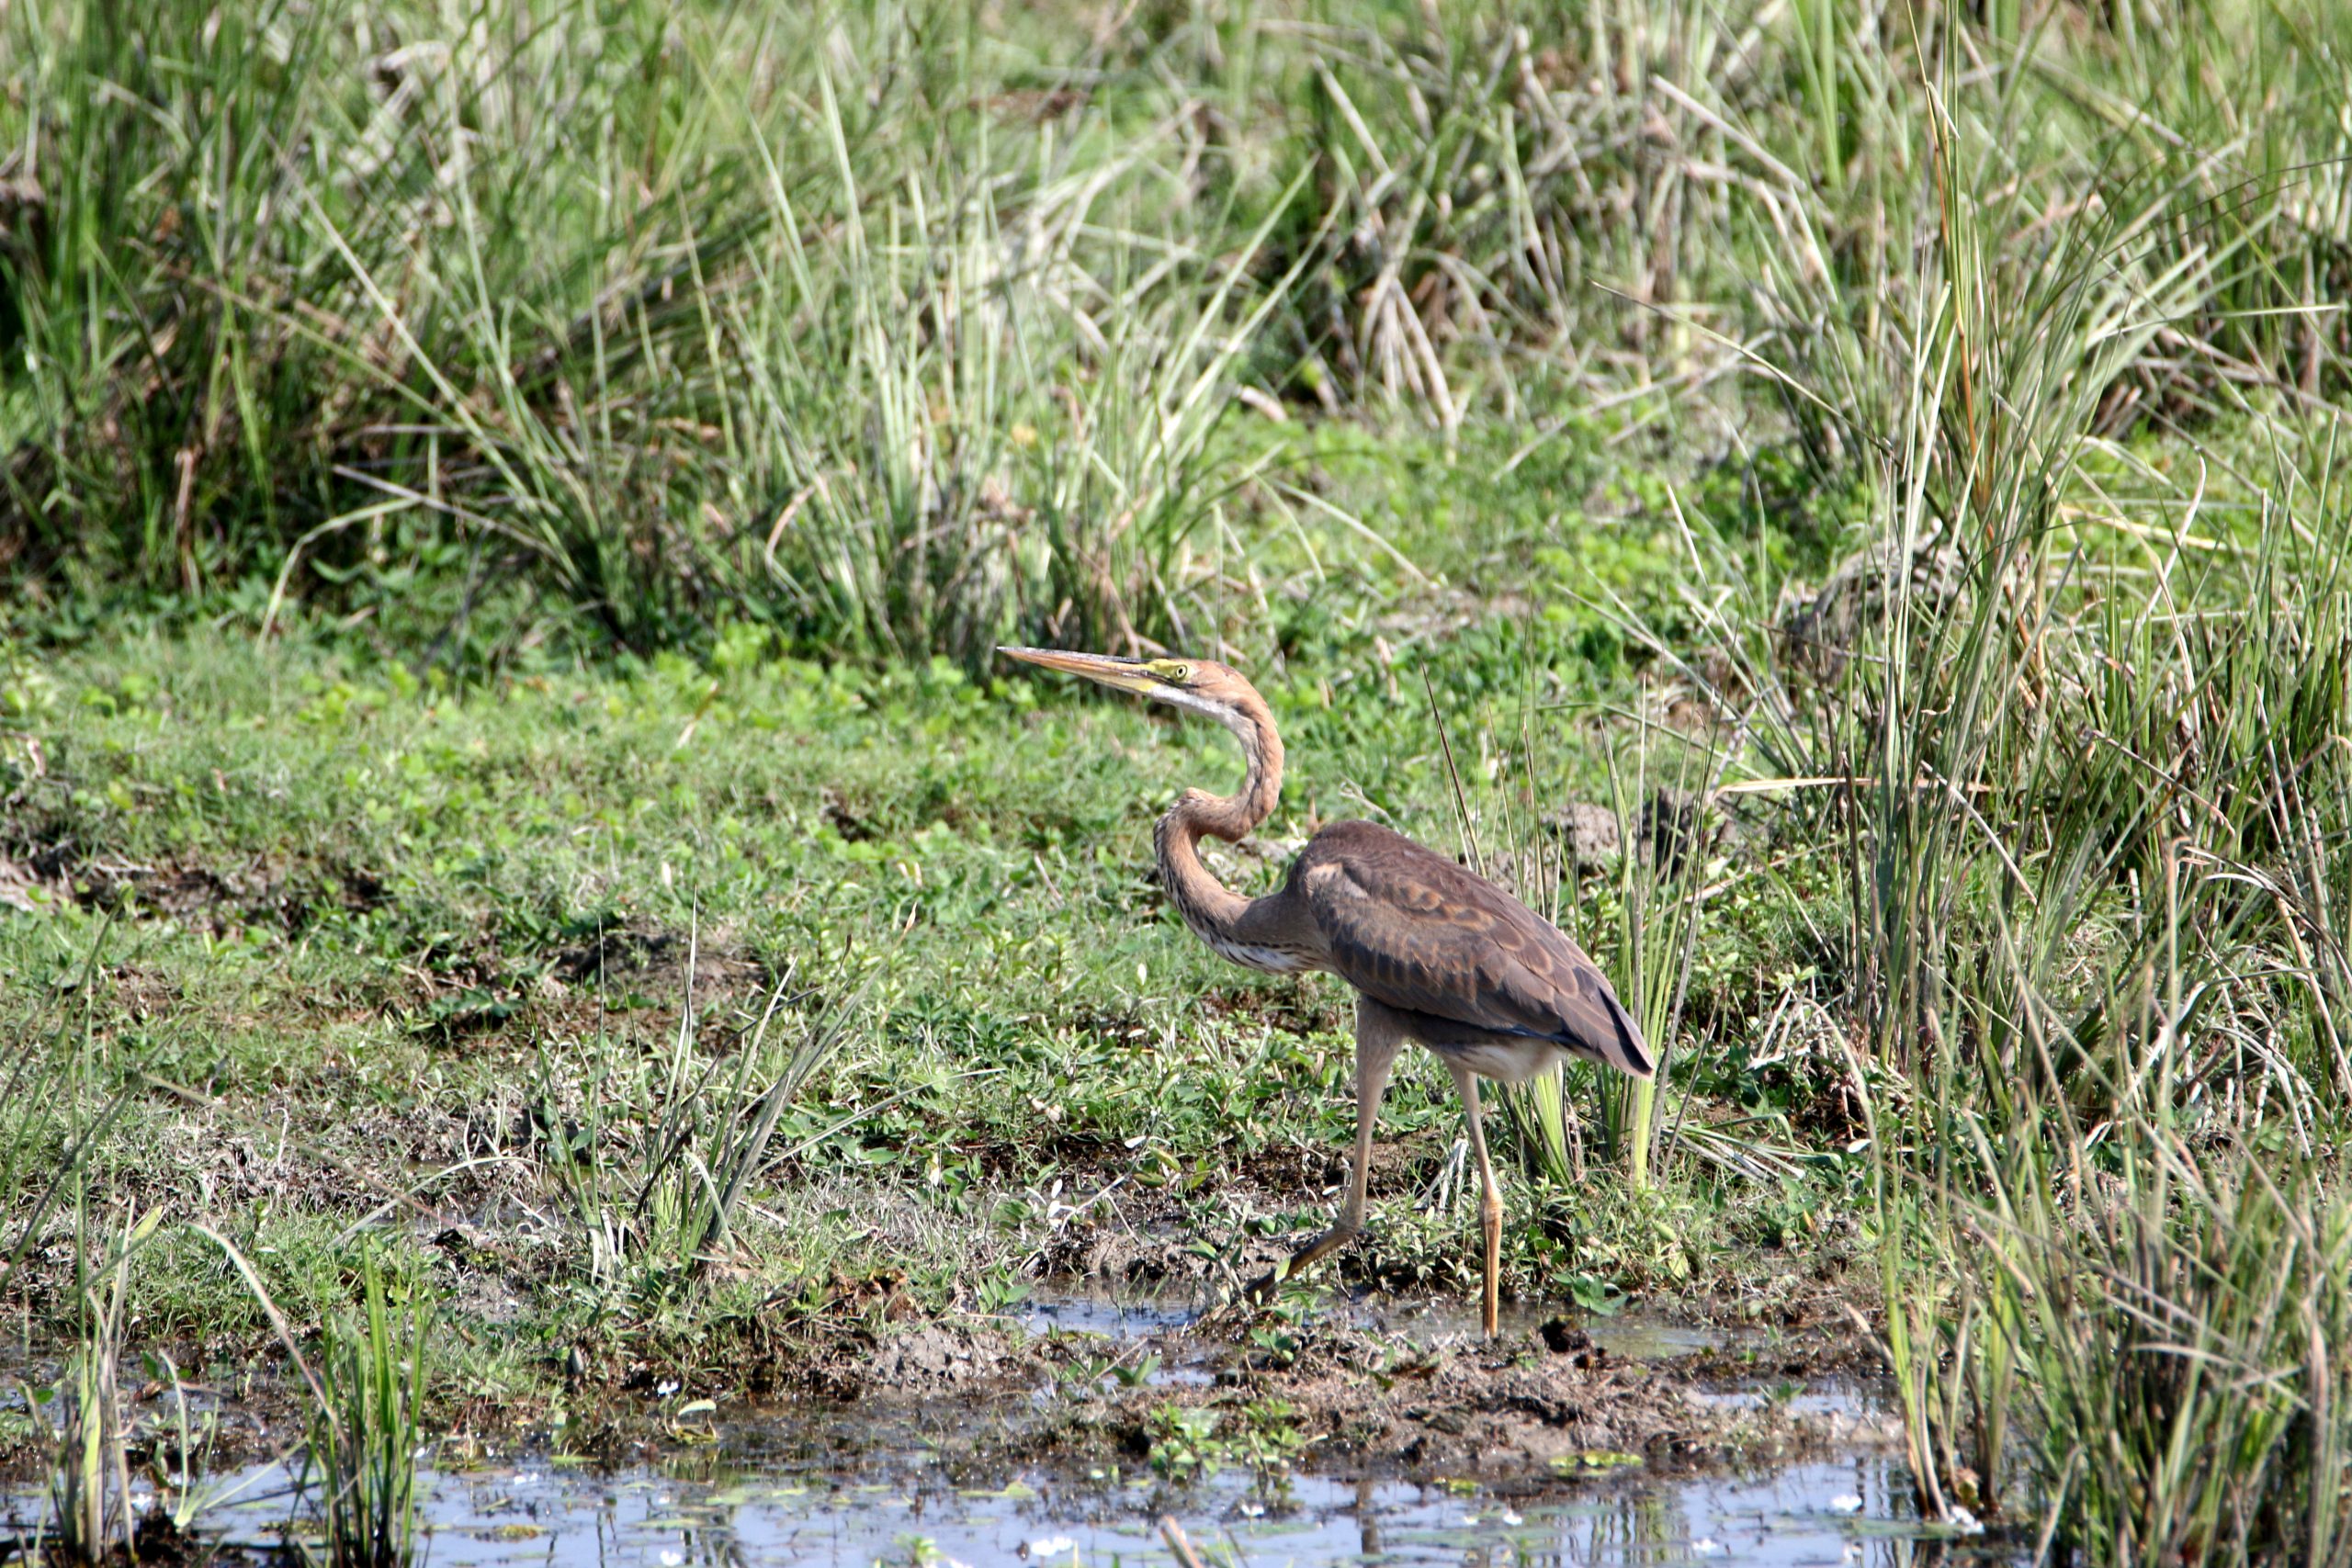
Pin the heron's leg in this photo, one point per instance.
(1377, 1039)
(1490, 1202)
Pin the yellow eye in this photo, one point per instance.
(1173, 670)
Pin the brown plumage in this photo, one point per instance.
(1410, 929)
(1436, 954)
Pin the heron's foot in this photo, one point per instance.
(1262, 1290)
(1267, 1285)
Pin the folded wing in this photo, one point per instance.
(1413, 930)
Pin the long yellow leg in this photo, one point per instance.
(1491, 1204)
(1377, 1039)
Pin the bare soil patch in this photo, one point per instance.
(1529, 1405)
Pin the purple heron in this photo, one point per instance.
(1435, 953)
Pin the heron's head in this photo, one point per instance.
(1202, 684)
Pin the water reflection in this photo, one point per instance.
(714, 1511)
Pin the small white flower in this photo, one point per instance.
(672, 1559)
(665, 1388)
(1251, 1510)
(1845, 1503)
(1706, 1546)
(1469, 1522)
(1050, 1546)
(1966, 1523)
(523, 1478)
(1509, 1517)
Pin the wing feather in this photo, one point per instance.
(1410, 929)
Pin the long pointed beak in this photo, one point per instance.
(1124, 674)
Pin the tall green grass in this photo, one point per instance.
(908, 333)
(2082, 754)
(645, 320)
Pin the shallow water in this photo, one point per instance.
(714, 1510)
(835, 1487)
(1112, 1316)
(1822, 1397)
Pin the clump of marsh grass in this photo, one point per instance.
(92, 1517)
(900, 377)
(367, 1410)
(663, 1155)
(2180, 1339)
(2115, 1310)
(2109, 1127)
(1002, 417)
(89, 1478)
(367, 1432)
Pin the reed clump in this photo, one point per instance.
(367, 1429)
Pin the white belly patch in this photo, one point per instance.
(1504, 1059)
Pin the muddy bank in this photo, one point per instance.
(1080, 1380)
(1410, 1392)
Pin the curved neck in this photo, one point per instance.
(1208, 906)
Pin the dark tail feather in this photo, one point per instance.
(1618, 1045)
